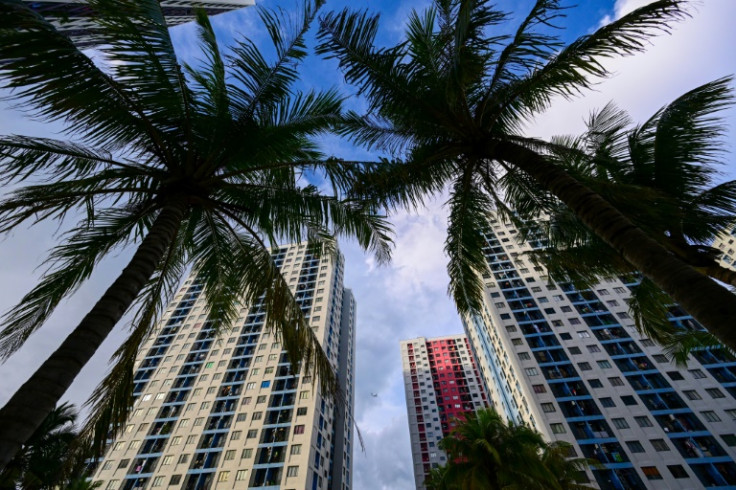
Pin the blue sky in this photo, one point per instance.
(407, 298)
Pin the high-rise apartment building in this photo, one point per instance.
(226, 411)
(441, 382)
(72, 17)
(570, 363)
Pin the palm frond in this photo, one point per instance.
(56, 81)
(268, 83)
(72, 263)
(470, 213)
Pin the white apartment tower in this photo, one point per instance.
(441, 383)
(570, 363)
(227, 412)
(73, 17)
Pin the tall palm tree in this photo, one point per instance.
(40, 464)
(485, 452)
(198, 164)
(662, 175)
(449, 103)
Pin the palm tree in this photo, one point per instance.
(41, 462)
(484, 452)
(661, 175)
(195, 164)
(449, 102)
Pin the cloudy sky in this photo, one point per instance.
(408, 298)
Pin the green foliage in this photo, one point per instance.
(661, 175)
(228, 139)
(44, 462)
(484, 452)
(443, 100)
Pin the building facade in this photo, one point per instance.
(726, 244)
(73, 18)
(227, 411)
(571, 364)
(441, 382)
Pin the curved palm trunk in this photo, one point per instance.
(38, 396)
(708, 302)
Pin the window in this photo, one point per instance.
(603, 292)
(575, 351)
(607, 402)
(199, 421)
(651, 472)
(252, 434)
(247, 453)
(711, 416)
(566, 309)
(304, 395)
(230, 455)
(517, 342)
(209, 364)
(112, 485)
(697, 373)
(175, 441)
(524, 356)
(692, 395)
(558, 428)
(643, 421)
(250, 385)
(620, 290)
(108, 465)
(678, 471)
(731, 412)
(292, 471)
(224, 476)
(531, 371)
(647, 342)
(265, 384)
(715, 393)
(539, 389)
(574, 321)
(628, 400)
(584, 366)
(593, 349)
(123, 463)
(659, 445)
(595, 383)
(660, 358)
(729, 439)
(584, 334)
(158, 481)
(241, 475)
(604, 364)
(622, 424)
(296, 449)
(565, 336)
(166, 460)
(261, 399)
(236, 435)
(183, 459)
(301, 411)
(175, 480)
(242, 417)
(675, 375)
(616, 381)
(298, 429)
(548, 407)
(623, 315)
(635, 446)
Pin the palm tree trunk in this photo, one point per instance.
(707, 301)
(38, 396)
(721, 273)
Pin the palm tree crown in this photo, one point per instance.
(196, 163)
(485, 452)
(449, 103)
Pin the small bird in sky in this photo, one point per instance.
(374, 395)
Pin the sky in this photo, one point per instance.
(407, 298)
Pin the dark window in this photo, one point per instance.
(607, 402)
(635, 446)
(539, 389)
(584, 366)
(575, 351)
(595, 383)
(628, 400)
(651, 472)
(678, 471)
(643, 421)
(675, 376)
(565, 336)
(616, 381)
